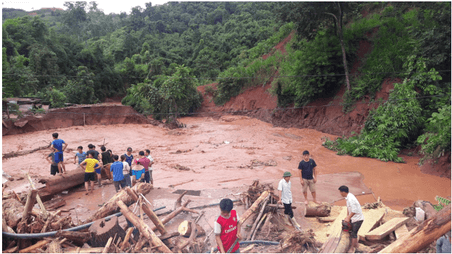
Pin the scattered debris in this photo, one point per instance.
(299, 242)
(181, 151)
(180, 167)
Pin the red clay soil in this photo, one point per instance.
(440, 167)
(104, 114)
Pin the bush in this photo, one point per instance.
(437, 138)
(310, 72)
(56, 98)
(387, 129)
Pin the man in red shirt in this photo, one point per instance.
(227, 228)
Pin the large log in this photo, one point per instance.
(254, 207)
(174, 213)
(12, 212)
(102, 230)
(44, 212)
(111, 206)
(401, 231)
(318, 211)
(423, 235)
(385, 229)
(372, 218)
(258, 218)
(144, 229)
(58, 183)
(54, 204)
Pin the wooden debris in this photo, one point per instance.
(385, 229)
(185, 229)
(21, 153)
(38, 198)
(126, 238)
(11, 250)
(299, 242)
(31, 200)
(248, 248)
(78, 238)
(111, 206)
(279, 206)
(401, 231)
(54, 204)
(326, 219)
(144, 229)
(35, 246)
(254, 207)
(264, 203)
(421, 236)
(107, 246)
(54, 247)
(84, 250)
(12, 212)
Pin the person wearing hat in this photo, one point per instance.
(285, 193)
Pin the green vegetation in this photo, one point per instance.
(158, 55)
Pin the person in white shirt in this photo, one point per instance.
(355, 216)
(148, 155)
(285, 193)
(126, 170)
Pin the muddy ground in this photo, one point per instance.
(224, 156)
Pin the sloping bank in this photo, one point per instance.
(75, 116)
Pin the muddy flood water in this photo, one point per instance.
(223, 155)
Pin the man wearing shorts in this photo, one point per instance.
(53, 165)
(59, 146)
(308, 176)
(355, 216)
(90, 165)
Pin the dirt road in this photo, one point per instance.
(228, 153)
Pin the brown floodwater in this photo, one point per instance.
(224, 153)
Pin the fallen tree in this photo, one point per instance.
(57, 184)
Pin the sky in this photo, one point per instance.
(108, 6)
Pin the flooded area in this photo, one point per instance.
(222, 154)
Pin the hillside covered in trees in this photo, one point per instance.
(157, 56)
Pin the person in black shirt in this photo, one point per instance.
(308, 176)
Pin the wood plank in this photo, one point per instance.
(401, 231)
(372, 218)
(385, 229)
(334, 233)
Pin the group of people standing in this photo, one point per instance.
(124, 170)
(354, 218)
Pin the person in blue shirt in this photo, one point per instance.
(80, 155)
(59, 146)
(118, 176)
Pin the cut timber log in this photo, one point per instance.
(54, 204)
(102, 230)
(54, 247)
(144, 229)
(385, 229)
(318, 211)
(401, 231)
(326, 219)
(254, 207)
(107, 246)
(423, 235)
(57, 184)
(35, 246)
(84, 250)
(12, 212)
(266, 228)
(334, 233)
(111, 206)
(372, 218)
(31, 200)
(78, 238)
(184, 229)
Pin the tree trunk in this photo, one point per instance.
(59, 183)
(173, 214)
(78, 238)
(54, 204)
(31, 200)
(318, 211)
(144, 229)
(12, 212)
(254, 207)
(258, 218)
(84, 250)
(423, 235)
(125, 243)
(111, 206)
(102, 230)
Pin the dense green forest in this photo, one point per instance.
(157, 56)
